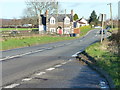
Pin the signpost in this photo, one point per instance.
(102, 18)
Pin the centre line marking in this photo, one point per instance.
(26, 79)
(12, 85)
(58, 65)
(76, 54)
(64, 63)
(50, 69)
(40, 73)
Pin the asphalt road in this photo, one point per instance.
(23, 62)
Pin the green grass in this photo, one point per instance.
(106, 60)
(7, 29)
(17, 42)
(84, 30)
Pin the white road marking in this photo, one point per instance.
(76, 54)
(12, 85)
(1, 59)
(26, 79)
(64, 62)
(19, 55)
(7, 56)
(40, 50)
(58, 65)
(50, 69)
(49, 48)
(41, 73)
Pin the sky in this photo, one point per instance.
(14, 8)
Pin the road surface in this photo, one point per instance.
(20, 65)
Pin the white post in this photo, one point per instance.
(102, 31)
(39, 22)
(103, 18)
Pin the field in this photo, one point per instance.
(23, 41)
(7, 29)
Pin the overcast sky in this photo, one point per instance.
(14, 8)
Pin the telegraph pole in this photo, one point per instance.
(102, 30)
(39, 18)
(57, 19)
(111, 15)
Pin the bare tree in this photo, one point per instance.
(35, 8)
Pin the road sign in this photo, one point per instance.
(102, 17)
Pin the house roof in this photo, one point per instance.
(59, 18)
(82, 21)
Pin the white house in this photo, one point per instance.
(82, 22)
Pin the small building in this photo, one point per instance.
(82, 22)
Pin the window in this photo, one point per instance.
(67, 20)
(52, 30)
(52, 20)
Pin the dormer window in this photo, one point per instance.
(67, 20)
(52, 20)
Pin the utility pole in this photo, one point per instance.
(57, 20)
(39, 18)
(111, 15)
(102, 30)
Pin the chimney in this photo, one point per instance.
(46, 13)
(65, 12)
(72, 12)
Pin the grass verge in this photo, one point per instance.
(84, 30)
(113, 30)
(106, 60)
(30, 41)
